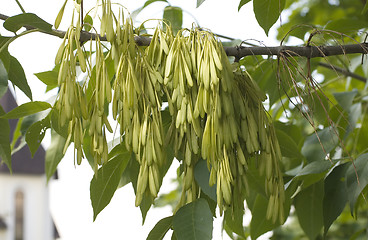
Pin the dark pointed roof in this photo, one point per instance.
(2, 224)
(22, 161)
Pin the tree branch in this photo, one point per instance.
(304, 51)
(345, 72)
(241, 51)
(84, 35)
(20, 6)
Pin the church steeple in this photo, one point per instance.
(22, 162)
(24, 201)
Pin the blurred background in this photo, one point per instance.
(69, 199)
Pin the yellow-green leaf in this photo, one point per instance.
(27, 109)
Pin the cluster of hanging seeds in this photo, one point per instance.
(71, 104)
(217, 112)
(218, 116)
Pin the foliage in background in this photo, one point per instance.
(319, 116)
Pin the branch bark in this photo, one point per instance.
(303, 51)
(84, 35)
(241, 51)
(343, 71)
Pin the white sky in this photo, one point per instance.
(69, 195)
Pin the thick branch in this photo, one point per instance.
(239, 52)
(84, 35)
(304, 51)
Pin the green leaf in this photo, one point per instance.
(55, 123)
(335, 196)
(30, 120)
(315, 168)
(193, 221)
(105, 182)
(3, 79)
(119, 148)
(5, 140)
(365, 8)
(27, 109)
(308, 207)
(87, 149)
(255, 180)
(343, 120)
(174, 15)
(234, 221)
(360, 234)
(259, 223)
(345, 99)
(4, 41)
(211, 203)
(14, 23)
(17, 77)
(267, 12)
(287, 145)
(355, 114)
(125, 176)
(345, 25)
(16, 134)
(319, 106)
(311, 173)
(199, 2)
(36, 133)
(312, 149)
(242, 3)
(148, 2)
(202, 176)
(54, 154)
(88, 23)
(354, 187)
(293, 131)
(265, 75)
(50, 78)
(159, 231)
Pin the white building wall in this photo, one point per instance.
(37, 219)
(6, 208)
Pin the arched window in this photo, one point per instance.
(19, 215)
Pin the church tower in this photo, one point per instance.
(24, 194)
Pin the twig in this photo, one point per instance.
(20, 6)
(346, 72)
